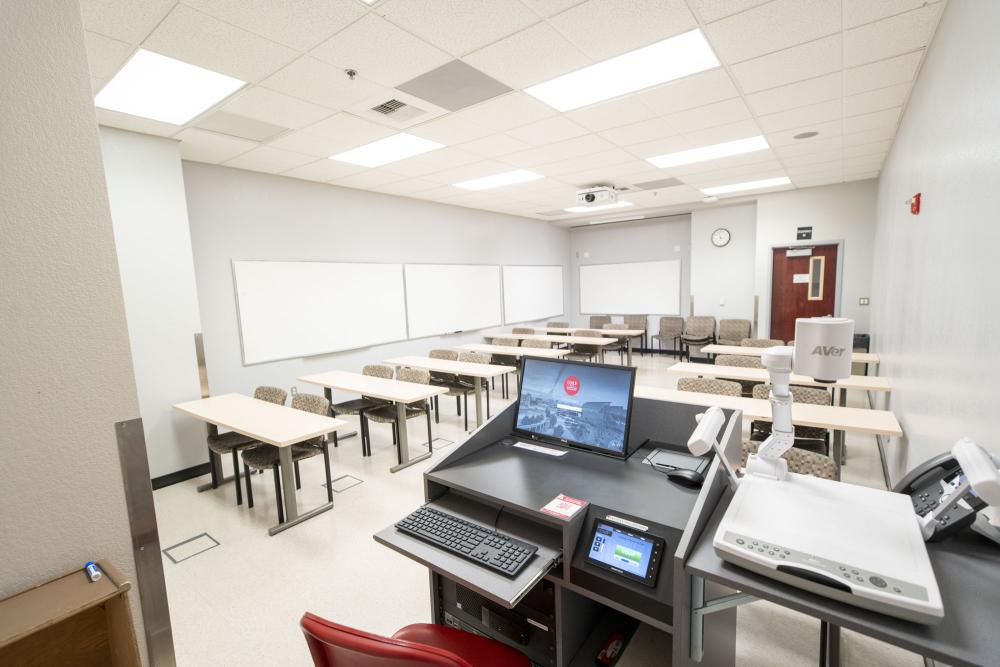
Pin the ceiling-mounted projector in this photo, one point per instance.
(598, 195)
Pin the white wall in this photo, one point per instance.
(722, 278)
(843, 212)
(149, 214)
(640, 241)
(936, 314)
(238, 214)
(65, 359)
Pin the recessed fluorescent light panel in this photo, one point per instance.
(164, 89)
(499, 180)
(705, 153)
(391, 149)
(743, 187)
(590, 209)
(651, 65)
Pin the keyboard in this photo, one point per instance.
(479, 544)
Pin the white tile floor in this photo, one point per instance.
(239, 602)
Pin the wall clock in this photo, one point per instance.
(721, 237)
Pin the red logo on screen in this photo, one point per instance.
(572, 385)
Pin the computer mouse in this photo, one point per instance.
(508, 441)
(690, 478)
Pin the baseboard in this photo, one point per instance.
(181, 475)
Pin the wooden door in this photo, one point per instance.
(803, 284)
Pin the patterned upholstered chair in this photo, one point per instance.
(586, 352)
(731, 332)
(557, 329)
(671, 328)
(740, 361)
(710, 386)
(557, 325)
(456, 387)
(389, 415)
(621, 342)
(359, 406)
(761, 342)
(598, 321)
(801, 461)
(699, 331)
(263, 457)
(806, 437)
(523, 330)
(506, 360)
(537, 344)
(232, 442)
(478, 358)
(638, 322)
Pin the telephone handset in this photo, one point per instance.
(937, 479)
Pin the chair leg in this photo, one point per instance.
(246, 475)
(458, 405)
(437, 411)
(215, 473)
(326, 464)
(335, 443)
(393, 433)
(277, 494)
(430, 437)
(298, 478)
(236, 477)
(465, 397)
(487, 402)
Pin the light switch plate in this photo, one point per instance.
(863, 301)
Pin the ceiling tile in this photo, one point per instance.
(871, 121)
(322, 83)
(722, 133)
(506, 112)
(644, 131)
(428, 163)
(868, 149)
(807, 115)
(125, 20)
(890, 37)
(550, 7)
(189, 35)
(605, 160)
(864, 162)
(452, 129)
(495, 145)
(407, 187)
(812, 146)
(798, 94)
(349, 131)
(851, 176)
(531, 56)
(710, 115)
(300, 24)
(203, 146)
(236, 125)
(816, 180)
(273, 107)
(380, 52)
(662, 146)
(135, 124)
(876, 100)
(869, 136)
(323, 170)
(547, 131)
(900, 69)
(690, 92)
(458, 26)
(857, 12)
(564, 150)
(613, 113)
(797, 161)
(772, 27)
(606, 28)
(828, 129)
(368, 179)
(105, 55)
(794, 64)
(467, 172)
(732, 162)
(309, 144)
(755, 172)
(270, 160)
(713, 10)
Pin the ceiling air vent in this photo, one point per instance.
(388, 107)
(398, 110)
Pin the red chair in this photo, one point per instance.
(418, 645)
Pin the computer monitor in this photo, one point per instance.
(577, 404)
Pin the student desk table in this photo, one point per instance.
(271, 424)
(856, 357)
(565, 335)
(508, 351)
(397, 391)
(601, 342)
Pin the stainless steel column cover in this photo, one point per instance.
(145, 542)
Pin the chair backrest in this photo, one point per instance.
(378, 371)
(507, 342)
(710, 386)
(335, 645)
(617, 326)
(311, 403)
(636, 322)
(734, 329)
(700, 325)
(474, 357)
(418, 375)
(523, 330)
(811, 395)
(446, 355)
(672, 325)
(557, 325)
(740, 360)
(586, 348)
(761, 342)
(546, 344)
(598, 321)
(270, 394)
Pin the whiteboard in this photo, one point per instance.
(532, 293)
(445, 298)
(632, 288)
(297, 309)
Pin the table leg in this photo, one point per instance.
(215, 461)
(840, 453)
(602, 354)
(477, 387)
(403, 442)
(628, 346)
(829, 644)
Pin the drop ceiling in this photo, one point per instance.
(841, 68)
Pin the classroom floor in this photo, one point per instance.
(239, 602)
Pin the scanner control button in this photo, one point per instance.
(739, 540)
(878, 581)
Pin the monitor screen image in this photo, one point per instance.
(576, 403)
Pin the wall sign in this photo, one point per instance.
(800, 277)
(804, 233)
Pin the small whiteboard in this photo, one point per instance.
(632, 288)
(447, 298)
(298, 309)
(532, 293)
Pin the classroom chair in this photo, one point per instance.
(598, 321)
(359, 406)
(263, 457)
(523, 330)
(456, 387)
(806, 437)
(699, 331)
(586, 352)
(387, 414)
(732, 332)
(233, 443)
(478, 358)
(671, 328)
(417, 645)
(741, 361)
(557, 325)
(638, 322)
(505, 360)
(761, 342)
(621, 342)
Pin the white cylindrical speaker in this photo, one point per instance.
(823, 347)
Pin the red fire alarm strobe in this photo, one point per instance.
(914, 203)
